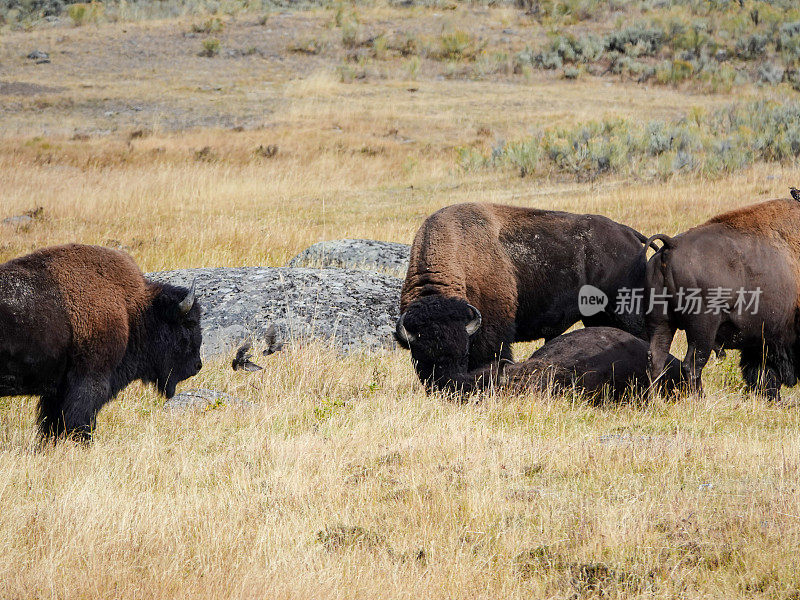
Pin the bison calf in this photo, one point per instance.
(595, 361)
(733, 281)
(79, 323)
(482, 276)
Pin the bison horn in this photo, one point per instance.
(188, 302)
(476, 321)
(403, 333)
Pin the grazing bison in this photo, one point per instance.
(733, 281)
(79, 323)
(482, 276)
(594, 361)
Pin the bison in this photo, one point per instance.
(733, 281)
(596, 361)
(79, 323)
(482, 276)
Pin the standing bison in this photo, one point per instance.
(482, 276)
(79, 323)
(733, 281)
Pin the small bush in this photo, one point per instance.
(413, 66)
(350, 31)
(524, 156)
(648, 39)
(212, 25)
(210, 47)
(751, 47)
(458, 45)
(85, 12)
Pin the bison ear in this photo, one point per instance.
(185, 305)
(403, 336)
(476, 321)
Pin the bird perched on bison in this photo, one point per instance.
(482, 276)
(79, 323)
(743, 270)
(596, 362)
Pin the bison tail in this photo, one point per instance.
(666, 242)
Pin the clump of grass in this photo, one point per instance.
(211, 25)
(412, 67)
(458, 45)
(210, 47)
(85, 12)
(346, 18)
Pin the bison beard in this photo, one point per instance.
(756, 247)
(79, 323)
(482, 276)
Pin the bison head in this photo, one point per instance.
(437, 330)
(174, 338)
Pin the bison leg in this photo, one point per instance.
(759, 376)
(85, 394)
(700, 336)
(50, 417)
(660, 341)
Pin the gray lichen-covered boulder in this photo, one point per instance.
(203, 399)
(354, 309)
(371, 255)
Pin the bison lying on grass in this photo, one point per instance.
(741, 271)
(79, 323)
(597, 362)
(482, 276)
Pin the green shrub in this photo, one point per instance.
(210, 47)
(649, 39)
(458, 45)
(523, 156)
(85, 12)
(722, 141)
(212, 25)
(752, 46)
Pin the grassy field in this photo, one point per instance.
(345, 480)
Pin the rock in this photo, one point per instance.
(25, 219)
(353, 309)
(372, 255)
(38, 55)
(202, 399)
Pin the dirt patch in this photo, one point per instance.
(20, 88)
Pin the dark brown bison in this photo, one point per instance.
(733, 281)
(79, 323)
(596, 361)
(482, 276)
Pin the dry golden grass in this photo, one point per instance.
(344, 480)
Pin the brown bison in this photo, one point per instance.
(482, 276)
(596, 361)
(733, 281)
(79, 323)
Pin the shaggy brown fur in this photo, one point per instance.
(78, 323)
(753, 247)
(522, 269)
